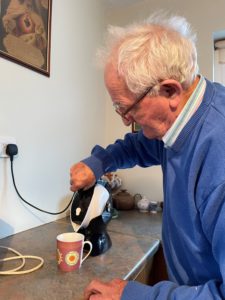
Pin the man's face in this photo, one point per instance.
(152, 113)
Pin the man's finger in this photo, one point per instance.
(94, 288)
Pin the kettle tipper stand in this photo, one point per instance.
(90, 214)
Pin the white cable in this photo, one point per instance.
(17, 253)
(16, 271)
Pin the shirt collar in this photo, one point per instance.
(188, 110)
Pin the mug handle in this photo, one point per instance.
(86, 256)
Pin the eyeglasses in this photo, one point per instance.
(139, 99)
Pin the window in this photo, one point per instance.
(219, 61)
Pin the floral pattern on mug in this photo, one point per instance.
(59, 257)
(72, 258)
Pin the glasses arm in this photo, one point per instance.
(139, 99)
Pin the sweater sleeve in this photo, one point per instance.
(212, 215)
(134, 149)
(166, 290)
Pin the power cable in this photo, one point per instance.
(12, 150)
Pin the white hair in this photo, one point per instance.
(157, 49)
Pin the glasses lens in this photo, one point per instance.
(118, 108)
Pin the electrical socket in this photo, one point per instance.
(4, 141)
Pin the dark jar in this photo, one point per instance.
(123, 200)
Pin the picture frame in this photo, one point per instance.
(25, 33)
(135, 127)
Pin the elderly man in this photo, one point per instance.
(151, 74)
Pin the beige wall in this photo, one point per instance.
(206, 17)
(54, 120)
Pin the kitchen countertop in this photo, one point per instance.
(135, 238)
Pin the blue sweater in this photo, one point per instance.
(193, 231)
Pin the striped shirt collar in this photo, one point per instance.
(188, 110)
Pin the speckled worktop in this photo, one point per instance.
(135, 238)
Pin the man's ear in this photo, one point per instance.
(172, 90)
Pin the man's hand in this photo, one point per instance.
(98, 290)
(81, 177)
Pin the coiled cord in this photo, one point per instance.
(16, 271)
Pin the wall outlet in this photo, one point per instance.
(4, 141)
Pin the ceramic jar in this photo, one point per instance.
(123, 200)
(143, 204)
(137, 198)
(153, 207)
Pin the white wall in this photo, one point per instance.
(57, 120)
(54, 120)
(206, 17)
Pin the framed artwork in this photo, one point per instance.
(135, 127)
(25, 33)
